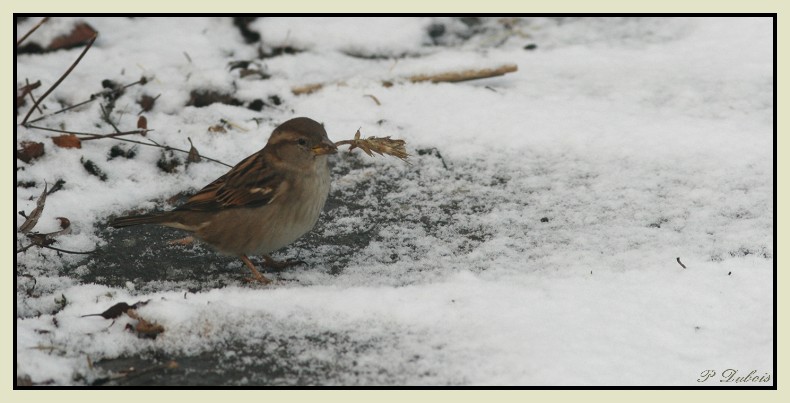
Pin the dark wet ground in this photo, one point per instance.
(271, 361)
(141, 255)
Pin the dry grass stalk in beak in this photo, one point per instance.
(379, 145)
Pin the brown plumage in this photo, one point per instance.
(265, 202)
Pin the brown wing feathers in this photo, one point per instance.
(241, 187)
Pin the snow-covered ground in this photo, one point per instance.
(532, 241)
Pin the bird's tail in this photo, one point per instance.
(154, 218)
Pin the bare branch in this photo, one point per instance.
(93, 97)
(106, 117)
(40, 23)
(155, 144)
(90, 136)
(30, 92)
(63, 77)
(68, 108)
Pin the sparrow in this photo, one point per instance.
(265, 202)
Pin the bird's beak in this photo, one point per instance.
(325, 147)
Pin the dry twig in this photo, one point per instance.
(92, 98)
(28, 88)
(116, 136)
(40, 23)
(464, 75)
(44, 240)
(379, 145)
(63, 77)
(446, 77)
(373, 97)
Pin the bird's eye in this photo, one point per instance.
(302, 142)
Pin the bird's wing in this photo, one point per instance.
(251, 183)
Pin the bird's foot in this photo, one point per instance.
(258, 279)
(256, 275)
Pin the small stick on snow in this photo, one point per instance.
(446, 77)
(373, 97)
(465, 75)
(681, 264)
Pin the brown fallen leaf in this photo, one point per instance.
(219, 128)
(26, 89)
(118, 310)
(30, 150)
(194, 155)
(113, 312)
(147, 102)
(144, 328)
(65, 227)
(46, 240)
(142, 123)
(67, 141)
(79, 36)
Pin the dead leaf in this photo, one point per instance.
(147, 102)
(144, 328)
(193, 156)
(32, 218)
(67, 141)
(30, 150)
(41, 240)
(217, 129)
(79, 36)
(65, 227)
(118, 310)
(114, 311)
(142, 123)
(26, 89)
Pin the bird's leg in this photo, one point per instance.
(279, 266)
(256, 275)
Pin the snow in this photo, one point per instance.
(539, 249)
